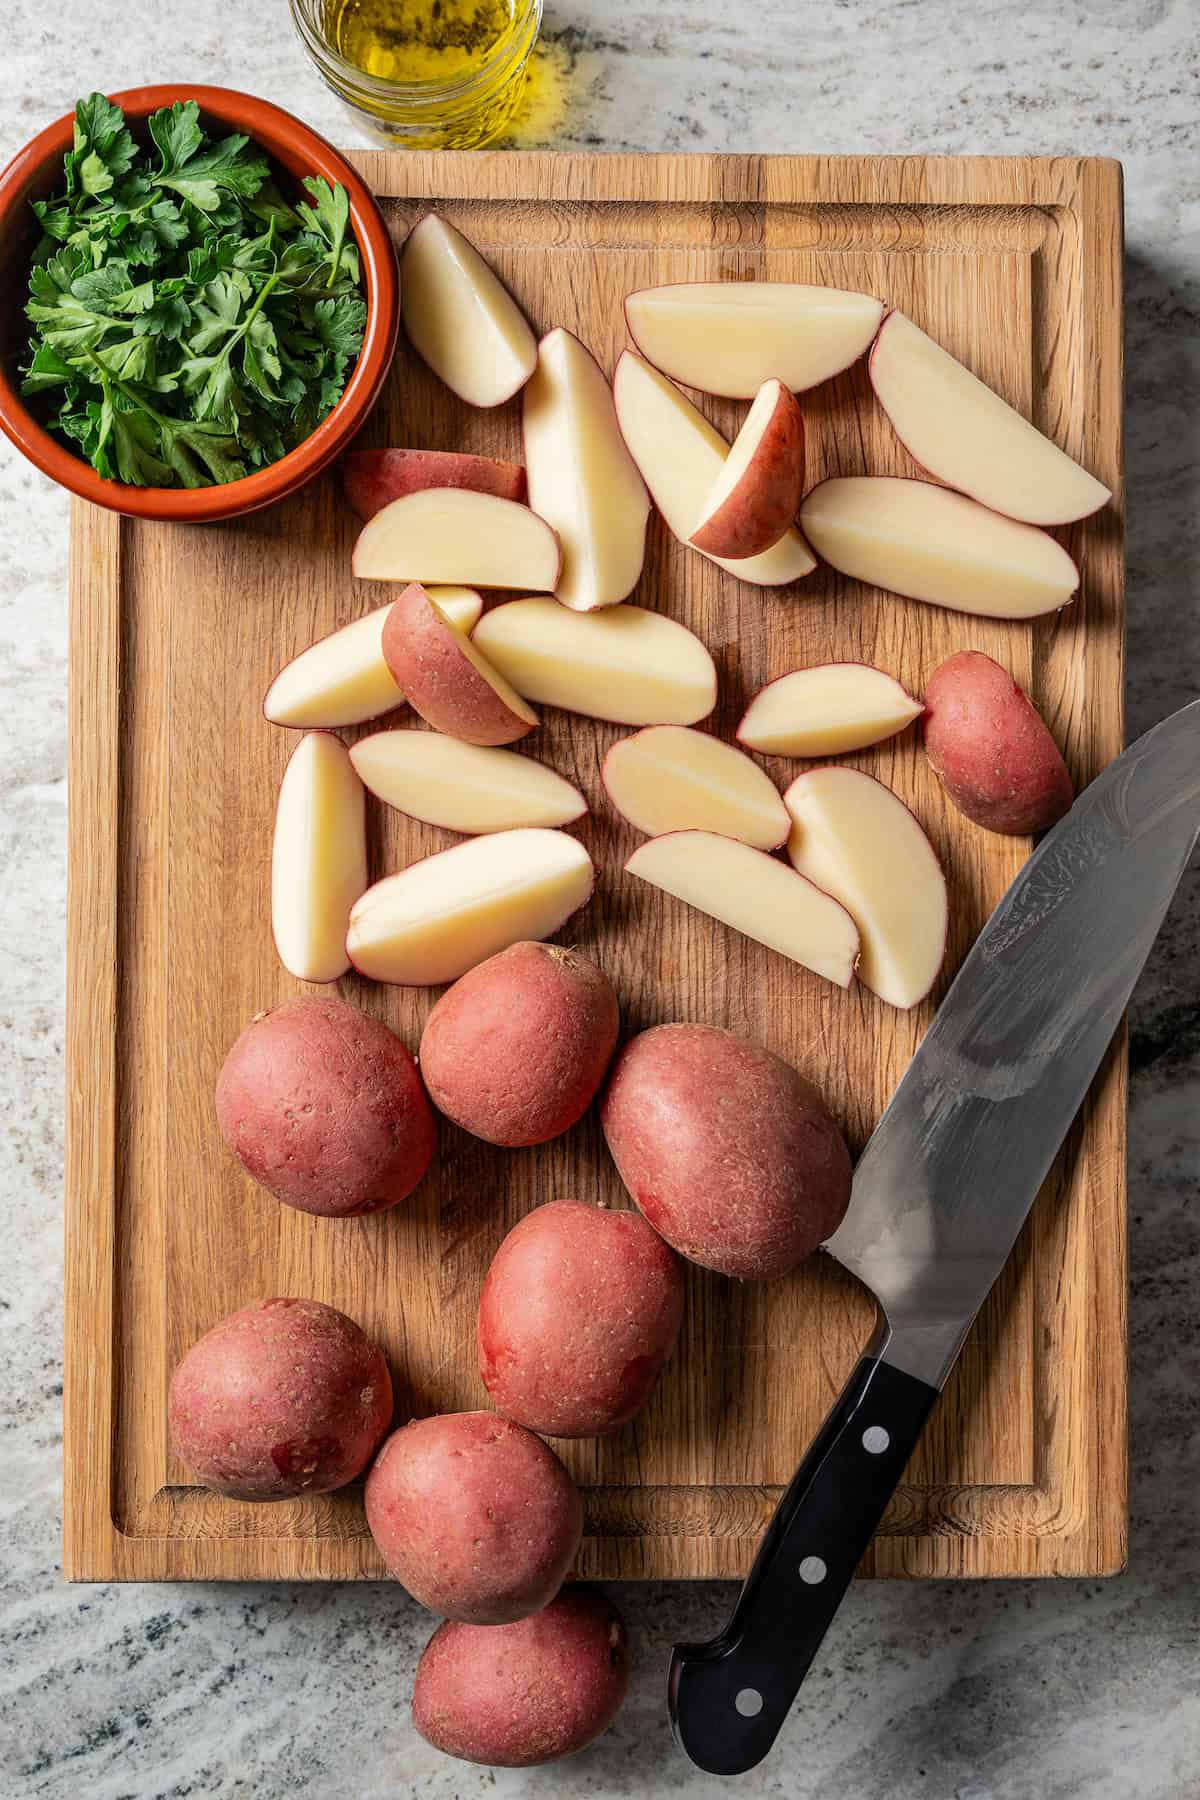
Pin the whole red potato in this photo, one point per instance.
(578, 1314)
(729, 1152)
(515, 1051)
(512, 1696)
(324, 1107)
(475, 1516)
(991, 749)
(285, 1397)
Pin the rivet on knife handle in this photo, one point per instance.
(729, 1698)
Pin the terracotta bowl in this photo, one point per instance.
(36, 172)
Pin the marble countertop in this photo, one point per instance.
(1006, 1691)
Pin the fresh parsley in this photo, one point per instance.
(190, 325)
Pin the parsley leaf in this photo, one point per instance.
(339, 324)
(102, 149)
(328, 218)
(176, 131)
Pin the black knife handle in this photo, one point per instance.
(729, 1698)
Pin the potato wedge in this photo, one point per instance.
(756, 895)
(956, 427)
(930, 544)
(623, 663)
(460, 317)
(756, 496)
(343, 679)
(582, 479)
(681, 456)
(826, 711)
(371, 479)
(456, 537)
(859, 842)
(447, 680)
(728, 337)
(318, 858)
(463, 787)
(435, 920)
(668, 778)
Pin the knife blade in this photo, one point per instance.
(940, 1195)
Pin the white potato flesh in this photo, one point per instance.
(671, 779)
(728, 337)
(622, 663)
(929, 544)
(854, 838)
(318, 858)
(826, 711)
(955, 426)
(680, 456)
(460, 317)
(435, 920)
(755, 894)
(581, 478)
(471, 788)
(455, 536)
(342, 679)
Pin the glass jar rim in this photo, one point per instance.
(511, 52)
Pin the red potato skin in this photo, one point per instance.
(513, 1696)
(991, 749)
(285, 1397)
(578, 1316)
(373, 478)
(324, 1107)
(475, 1516)
(730, 1153)
(516, 1050)
(766, 500)
(450, 694)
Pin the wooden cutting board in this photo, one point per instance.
(1015, 265)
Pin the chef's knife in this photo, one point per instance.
(940, 1194)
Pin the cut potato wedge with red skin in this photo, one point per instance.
(927, 543)
(755, 894)
(454, 537)
(681, 456)
(438, 918)
(447, 680)
(728, 337)
(463, 787)
(956, 427)
(668, 778)
(756, 497)
(858, 842)
(343, 679)
(623, 663)
(460, 317)
(318, 858)
(372, 479)
(582, 479)
(826, 711)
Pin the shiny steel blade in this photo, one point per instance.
(957, 1159)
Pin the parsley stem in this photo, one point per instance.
(109, 381)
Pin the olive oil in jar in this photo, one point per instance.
(424, 74)
(410, 41)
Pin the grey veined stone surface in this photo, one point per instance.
(1001, 1691)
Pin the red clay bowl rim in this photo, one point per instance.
(277, 131)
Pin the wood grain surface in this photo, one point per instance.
(1013, 264)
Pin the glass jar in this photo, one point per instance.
(456, 112)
